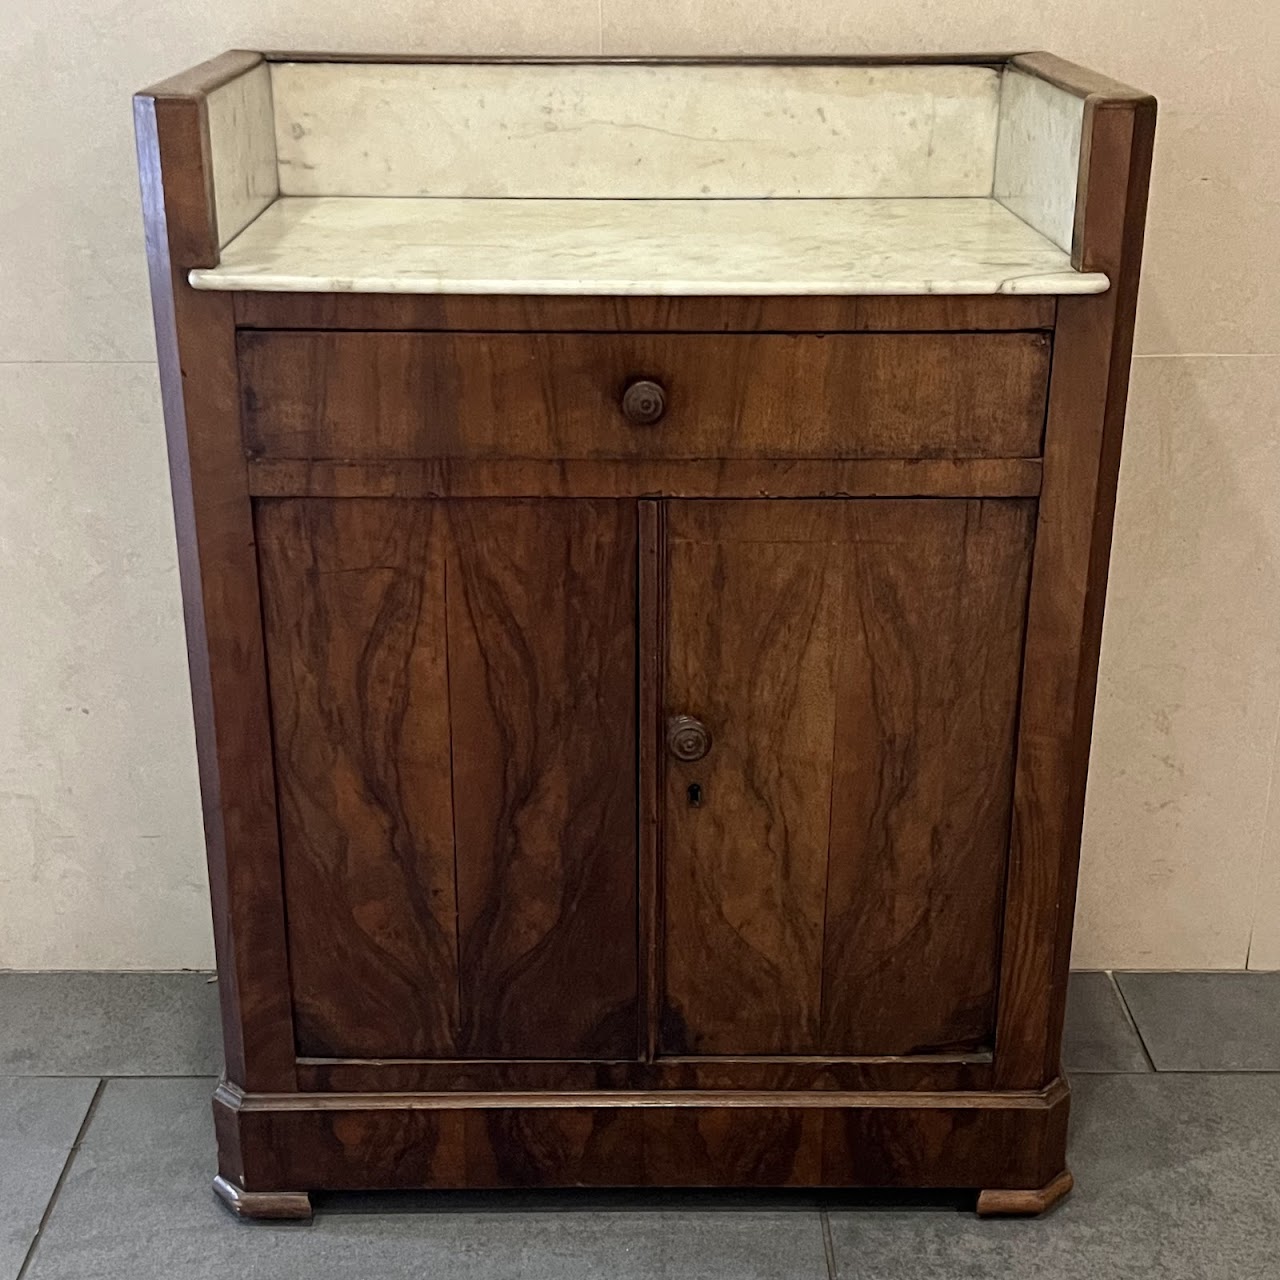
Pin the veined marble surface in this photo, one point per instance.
(1038, 154)
(966, 245)
(242, 147)
(632, 131)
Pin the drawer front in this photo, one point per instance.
(367, 396)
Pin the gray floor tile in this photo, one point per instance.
(39, 1120)
(1207, 1021)
(109, 1024)
(1176, 1177)
(137, 1204)
(1098, 1034)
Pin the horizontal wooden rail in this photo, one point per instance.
(593, 478)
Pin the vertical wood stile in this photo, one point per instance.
(649, 618)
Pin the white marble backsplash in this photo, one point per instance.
(1038, 154)
(398, 245)
(242, 144)
(634, 131)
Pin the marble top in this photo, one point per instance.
(962, 245)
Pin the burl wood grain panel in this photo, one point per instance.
(370, 396)
(453, 689)
(838, 889)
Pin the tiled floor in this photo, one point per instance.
(106, 1150)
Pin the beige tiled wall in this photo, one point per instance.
(100, 857)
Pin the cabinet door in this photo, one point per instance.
(833, 885)
(453, 701)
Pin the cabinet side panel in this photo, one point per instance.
(195, 339)
(354, 607)
(1092, 347)
(927, 692)
(542, 680)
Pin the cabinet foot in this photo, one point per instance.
(262, 1204)
(1027, 1203)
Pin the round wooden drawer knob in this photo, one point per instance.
(687, 738)
(644, 402)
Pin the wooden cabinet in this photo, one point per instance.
(643, 672)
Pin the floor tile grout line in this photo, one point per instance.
(1133, 1022)
(90, 1112)
(212, 1074)
(828, 1245)
(1074, 1072)
(1207, 1071)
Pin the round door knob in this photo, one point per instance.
(687, 738)
(644, 402)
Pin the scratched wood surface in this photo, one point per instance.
(453, 704)
(370, 396)
(838, 888)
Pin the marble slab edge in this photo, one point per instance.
(1055, 282)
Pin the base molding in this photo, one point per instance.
(993, 1203)
(261, 1204)
(345, 1141)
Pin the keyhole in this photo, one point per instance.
(695, 795)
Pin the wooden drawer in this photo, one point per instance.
(358, 396)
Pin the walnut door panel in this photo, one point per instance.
(385, 396)
(453, 690)
(836, 889)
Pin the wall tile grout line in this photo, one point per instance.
(90, 1112)
(1133, 1022)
